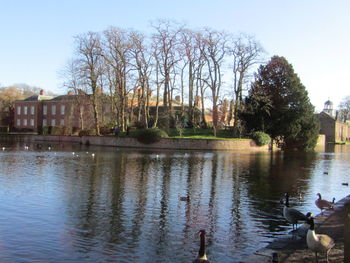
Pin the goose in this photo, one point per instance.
(292, 215)
(317, 242)
(202, 257)
(324, 204)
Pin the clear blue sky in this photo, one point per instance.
(314, 35)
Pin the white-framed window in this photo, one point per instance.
(18, 110)
(25, 110)
(32, 110)
(63, 108)
(62, 122)
(25, 122)
(53, 110)
(45, 110)
(44, 122)
(32, 122)
(53, 122)
(18, 122)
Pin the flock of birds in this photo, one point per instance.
(319, 243)
(40, 146)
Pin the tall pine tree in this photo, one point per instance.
(278, 104)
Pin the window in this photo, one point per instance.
(18, 122)
(19, 110)
(25, 122)
(25, 110)
(53, 110)
(44, 122)
(53, 122)
(45, 110)
(32, 122)
(62, 122)
(63, 107)
(32, 110)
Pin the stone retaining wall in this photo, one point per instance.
(165, 143)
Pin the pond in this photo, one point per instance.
(74, 203)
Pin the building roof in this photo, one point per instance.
(37, 98)
(68, 97)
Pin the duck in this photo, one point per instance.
(202, 257)
(185, 198)
(292, 215)
(324, 204)
(319, 243)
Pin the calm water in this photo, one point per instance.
(123, 205)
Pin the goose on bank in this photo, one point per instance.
(324, 204)
(317, 242)
(292, 215)
(202, 257)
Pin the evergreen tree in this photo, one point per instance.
(278, 104)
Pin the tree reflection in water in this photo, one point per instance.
(123, 205)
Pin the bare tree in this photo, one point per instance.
(190, 54)
(89, 53)
(73, 83)
(344, 109)
(165, 42)
(117, 57)
(245, 53)
(213, 48)
(142, 60)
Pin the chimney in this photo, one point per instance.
(42, 92)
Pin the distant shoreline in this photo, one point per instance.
(127, 142)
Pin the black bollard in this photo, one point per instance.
(347, 235)
(275, 257)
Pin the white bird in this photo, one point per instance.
(93, 155)
(317, 242)
(324, 204)
(292, 215)
(202, 257)
(3, 148)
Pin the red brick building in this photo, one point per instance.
(73, 111)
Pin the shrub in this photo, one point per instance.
(86, 133)
(261, 138)
(44, 130)
(75, 130)
(57, 130)
(148, 136)
(104, 130)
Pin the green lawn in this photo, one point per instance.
(201, 134)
